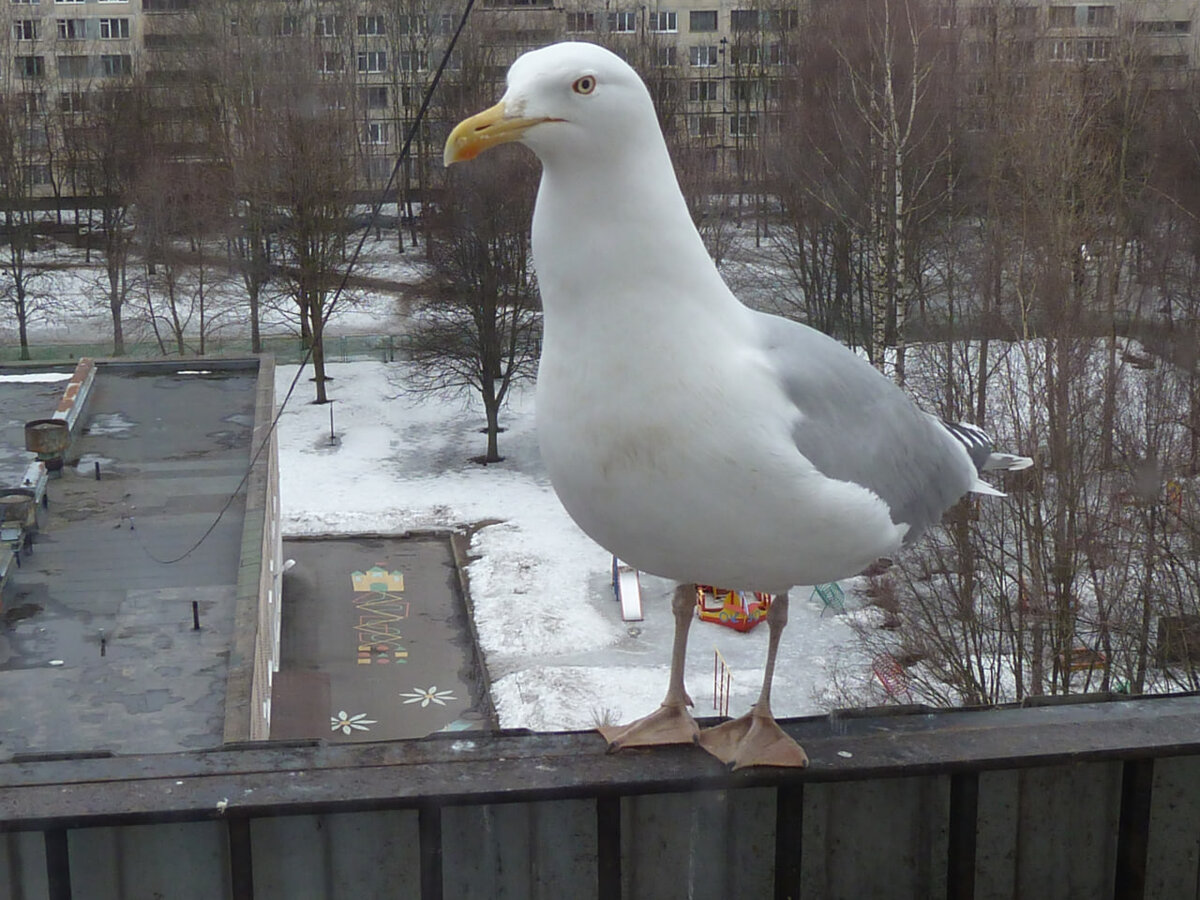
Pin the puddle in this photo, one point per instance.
(109, 425)
(14, 614)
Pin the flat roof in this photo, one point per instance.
(25, 394)
(97, 645)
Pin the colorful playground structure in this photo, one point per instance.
(739, 610)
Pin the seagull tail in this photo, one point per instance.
(1005, 462)
(978, 444)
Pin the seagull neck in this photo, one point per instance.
(619, 224)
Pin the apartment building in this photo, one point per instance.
(720, 69)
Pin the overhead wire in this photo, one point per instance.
(376, 208)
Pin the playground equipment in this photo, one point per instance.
(739, 610)
(722, 683)
(831, 595)
(628, 590)
(892, 676)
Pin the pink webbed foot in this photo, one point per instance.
(753, 740)
(669, 724)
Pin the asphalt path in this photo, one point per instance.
(375, 642)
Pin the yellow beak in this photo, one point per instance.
(483, 131)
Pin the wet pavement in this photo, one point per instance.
(97, 646)
(375, 643)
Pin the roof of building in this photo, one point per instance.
(98, 648)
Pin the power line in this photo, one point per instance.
(376, 207)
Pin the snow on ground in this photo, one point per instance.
(557, 651)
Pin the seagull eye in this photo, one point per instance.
(584, 85)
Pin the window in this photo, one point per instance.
(1169, 61)
(71, 29)
(1022, 51)
(374, 97)
(743, 19)
(37, 174)
(745, 55)
(331, 62)
(702, 56)
(702, 20)
(72, 66)
(778, 54)
(1101, 16)
(1181, 26)
(664, 22)
(622, 22)
(1062, 17)
(702, 91)
(666, 90)
(116, 64)
(372, 61)
(33, 102)
(1061, 51)
(413, 61)
(782, 19)
(25, 30)
(377, 168)
(406, 24)
(702, 126)
(744, 91)
(376, 133)
(72, 102)
(946, 17)
(1025, 16)
(329, 26)
(25, 2)
(665, 56)
(68, 1)
(114, 28)
(979, 52)
(580, 22)
(745, 125)
(1095, 48)
(285, 26)
(982, 17)
(368, 25)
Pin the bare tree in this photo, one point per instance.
(108, 146)
(481, 334)
(22, 168)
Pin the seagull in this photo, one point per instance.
(695, 438)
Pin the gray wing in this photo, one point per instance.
(855, 425)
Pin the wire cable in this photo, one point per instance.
(376, 207)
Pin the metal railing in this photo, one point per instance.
(1093, 799)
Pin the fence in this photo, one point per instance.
(1097, 799)
(285, 348)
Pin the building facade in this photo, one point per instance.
(721, 71)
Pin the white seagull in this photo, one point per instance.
(691, 436)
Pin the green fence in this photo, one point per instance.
(285, 348)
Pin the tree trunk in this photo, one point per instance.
(317, 337)
(255, 333)
(23, 327)
(114, 304)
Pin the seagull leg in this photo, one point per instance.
(755, 739)
(671, 723)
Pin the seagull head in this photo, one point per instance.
(565, 101)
